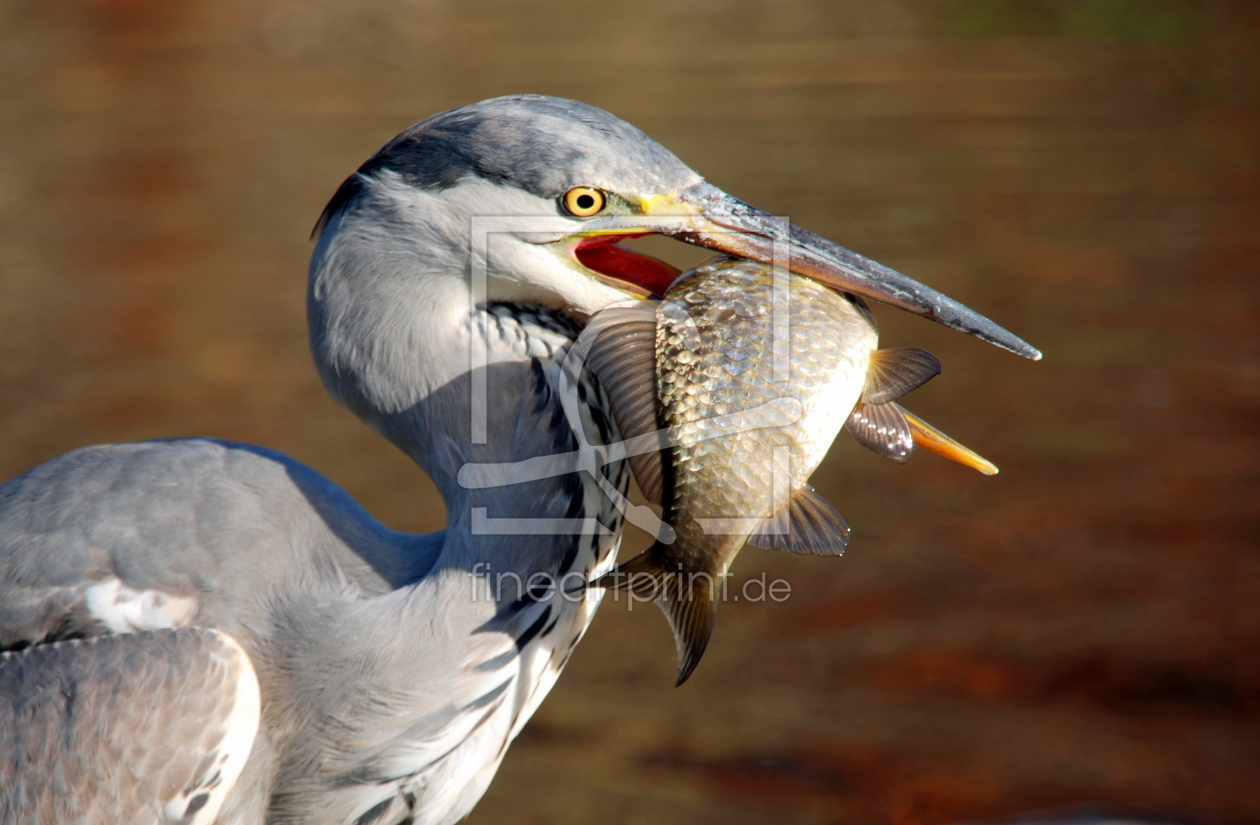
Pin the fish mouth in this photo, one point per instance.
(705, 216)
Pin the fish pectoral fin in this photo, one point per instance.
(622, 356)
(687, 598)
(896, 371)
(930, 438)
(882, 428)
(806, 524)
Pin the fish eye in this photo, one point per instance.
(584, 201)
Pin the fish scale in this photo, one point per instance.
(733, 387)
(714, 330)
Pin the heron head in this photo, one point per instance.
(534, 194)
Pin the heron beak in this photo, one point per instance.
(625, 269)
(706, 216)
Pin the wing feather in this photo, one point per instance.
(143, 727)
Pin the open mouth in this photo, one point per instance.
(623, 268)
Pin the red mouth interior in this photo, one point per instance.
(602, 254)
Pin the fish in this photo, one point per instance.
(730, 390)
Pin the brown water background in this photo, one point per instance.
(1081, 629)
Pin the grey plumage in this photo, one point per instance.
(511, 140)
(142, 728)
(392, 676)
(394, 669)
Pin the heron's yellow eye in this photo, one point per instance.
(583, 201)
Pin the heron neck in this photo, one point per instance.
(451, 383)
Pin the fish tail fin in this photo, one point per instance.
(692, 611)
(688, 600)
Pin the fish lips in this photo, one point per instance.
(706, 216)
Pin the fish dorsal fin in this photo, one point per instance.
(688, 600)
(861, 306)
(806, 524)
(881, 428)
(896, 371)
(622, 355)
(930, 438)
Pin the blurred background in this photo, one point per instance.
(1081, 630)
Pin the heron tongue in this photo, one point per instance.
(603, 255)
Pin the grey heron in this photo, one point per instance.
(202, 631)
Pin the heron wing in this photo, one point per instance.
(140, 728)
(191, 532)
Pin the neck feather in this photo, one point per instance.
(395, 336)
